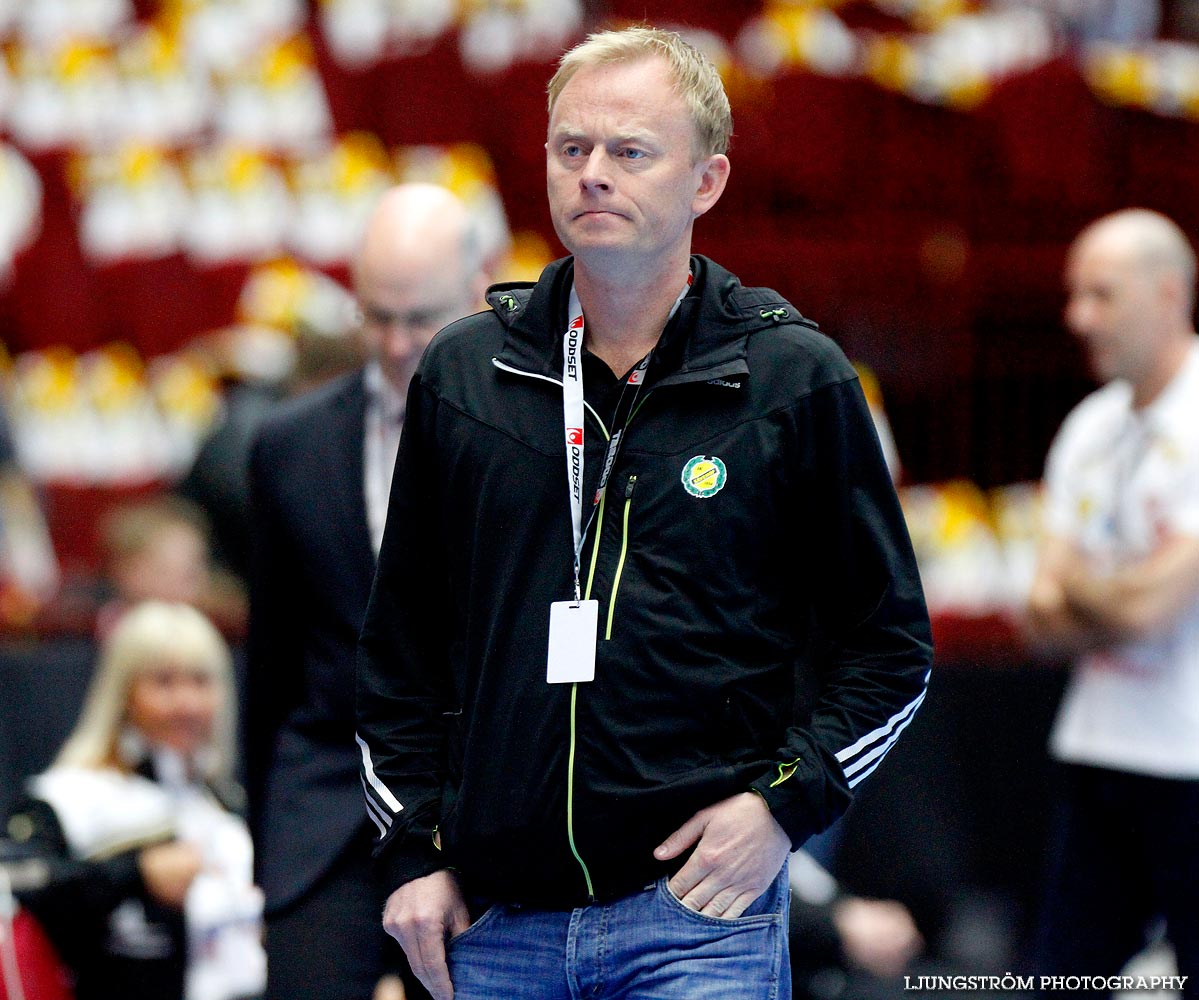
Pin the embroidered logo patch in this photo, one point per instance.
(704, 476)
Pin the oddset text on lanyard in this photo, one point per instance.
(573, 419)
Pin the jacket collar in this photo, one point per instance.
(707, 338)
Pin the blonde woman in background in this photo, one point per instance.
(148, 890)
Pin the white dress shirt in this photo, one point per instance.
(381, 441)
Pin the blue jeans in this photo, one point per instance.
(647, 946)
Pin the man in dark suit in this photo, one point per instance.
(320, 471)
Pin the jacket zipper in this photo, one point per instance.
(574, 688)
(574, 693)
(570, 794)
(574, 703)
(624, 549)
(630, 485)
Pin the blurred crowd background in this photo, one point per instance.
(183, 182)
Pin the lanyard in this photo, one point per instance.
(573, 420)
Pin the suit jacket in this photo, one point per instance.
(311, 577)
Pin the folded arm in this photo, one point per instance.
(1072, 608)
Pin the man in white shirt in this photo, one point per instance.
(1117, 586)
(320, 480)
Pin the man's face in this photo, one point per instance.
(1113, 307)
(403, 303)
(620, 162)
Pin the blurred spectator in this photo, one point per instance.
(1117, 585)
(157, 549)
(28, 569)
(845, 946)
(320, 478)
(141, 870)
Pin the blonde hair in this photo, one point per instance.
(696, 80)
(149, 634)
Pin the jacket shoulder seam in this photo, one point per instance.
(475, 418)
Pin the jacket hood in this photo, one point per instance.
(707, 336)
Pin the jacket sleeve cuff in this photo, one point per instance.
(805, 795)
(399, 863)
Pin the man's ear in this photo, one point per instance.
(1172, 288)
(713, 175)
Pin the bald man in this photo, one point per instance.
(1117, 587)
(320, 477)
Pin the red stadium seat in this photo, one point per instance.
(1056, 149)
(40, 972)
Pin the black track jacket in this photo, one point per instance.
(763, 629)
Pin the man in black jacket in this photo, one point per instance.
(320, 473)
(646, 609)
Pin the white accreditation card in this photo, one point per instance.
(574, 626)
